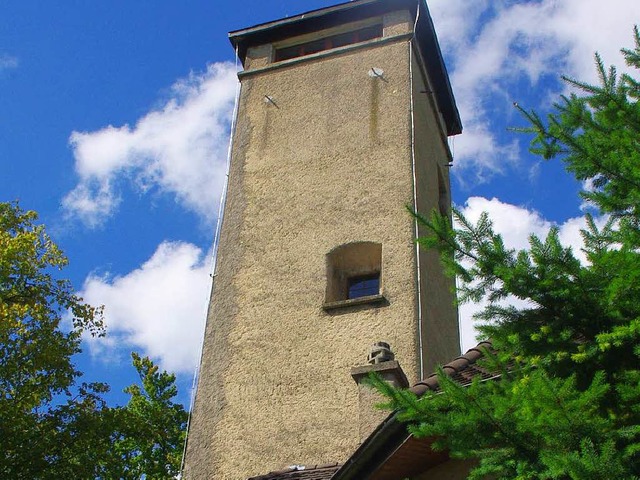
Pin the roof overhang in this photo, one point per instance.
(391, 452)
(324, 18)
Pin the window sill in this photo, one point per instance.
(352, 302)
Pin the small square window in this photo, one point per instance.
(363, 286)
(354, 276)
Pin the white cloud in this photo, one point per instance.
(515, 224)
(498, 51)
(7, 62)
(179, 149)
(158, 309)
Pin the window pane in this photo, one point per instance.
(342, 39)
(287, 53)
(313, 47)
(369, 33)
(364, 286)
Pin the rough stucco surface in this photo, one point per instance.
(211, 399)
(440, 332)
(369, 417)
(330, 164)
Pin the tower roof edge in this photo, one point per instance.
(328, 17)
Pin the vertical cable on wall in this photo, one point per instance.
(214, 260)
(415, 194)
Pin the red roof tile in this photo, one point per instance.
(462, 370)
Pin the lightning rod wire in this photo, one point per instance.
(214, 260)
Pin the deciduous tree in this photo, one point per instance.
(51, 425)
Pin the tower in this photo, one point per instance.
(343, 118)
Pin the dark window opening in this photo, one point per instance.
(363, 286)
(327, 43)
(354, 275)
(443, 196)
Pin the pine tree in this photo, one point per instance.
(566, 404)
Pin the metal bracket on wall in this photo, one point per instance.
(268, 99)
(377, 73)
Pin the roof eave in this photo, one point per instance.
(321, 18)
(236, 35)
(375, 450)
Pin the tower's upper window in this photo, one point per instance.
(329, 42)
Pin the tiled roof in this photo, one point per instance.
(462, 370)
(391, 452)
(316, 472)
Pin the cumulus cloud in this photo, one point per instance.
(158, 309)
(497, 52)
(516, 224)
(179, 149)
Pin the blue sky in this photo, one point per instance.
(114, 123)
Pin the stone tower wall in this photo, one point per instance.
(324, 161)
(440, 331)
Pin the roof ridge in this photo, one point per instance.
(296, 469)
(454, 367)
